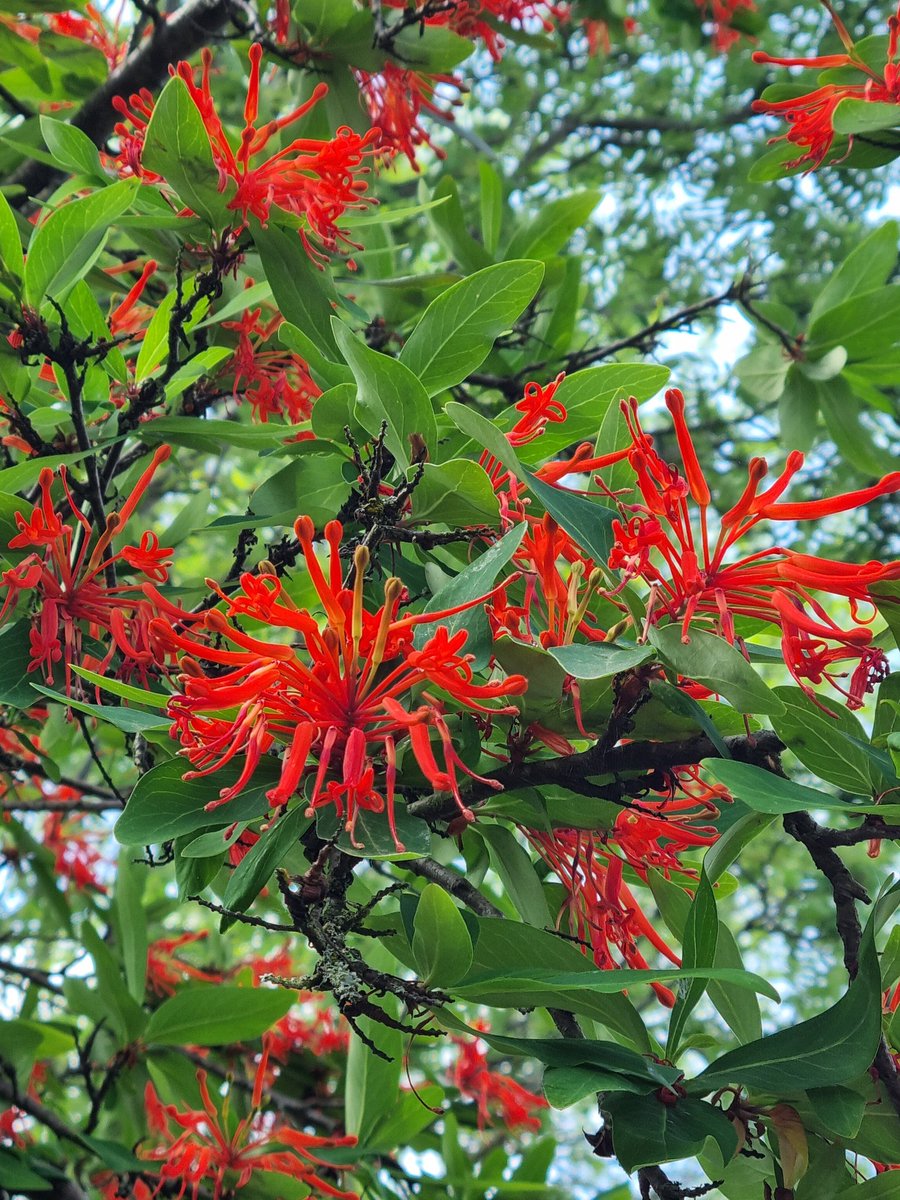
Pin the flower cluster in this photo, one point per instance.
(197, 1147)
(396, 98)
(314, 179)
(274, 382)
(665, 538)
(721, 16)
(811, 116)
(69, 581)
(498, 1096)
(338, 702)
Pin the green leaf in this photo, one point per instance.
(115, 687)
(372, 835)
(257, 866)
(599, 660)
(864, 116)
(587, 397)
(503, 945)
(67, 241)
(763, 372)
(131, 922)
(820, 740)
(177, 146)
(387, 391)
(474, 581)
(303, 296)
(12, 260)
(458, 329)
(124, 1012)
(372, 1082)
(457, 492)
(863, 325)
(869, 264)
(72, 148)
(517, 874)
(312, 485)
(163, 805)
(767, 793)
(15, 659)
(216, 1015)
(590, 524)
(441, 944)
(715, 664)
(491, 205)
(18, 1175)
(548, 232)
(679, 702)
(834, 1047)
(551, 988)
(646, 1132)
(449, 221)
(130, 720)
(701, 935)
(565, 1086)
(571, 1052)
(880, 1187)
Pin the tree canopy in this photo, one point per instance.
(448, 743)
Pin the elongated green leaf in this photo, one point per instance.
(834, 1047)
(701, 935)
(458, 329)
(599, 660)
(258, 864)
(645, 1131)
(65, 243)
(711, 661)
(590, 524)
(517, 874)
(869, 264)
(216, 1015)
(768, 793)
(587, 396)
(822, 741)
(164, 806)
(549, 231)
(131, 720)
(177, 146)
(303, 296)
(12, 260)
(863, 325)
(387, 391)
(115, 687)
(372, 1078)
(441, 944)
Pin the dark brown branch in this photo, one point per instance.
(188, 30)
(572, 771)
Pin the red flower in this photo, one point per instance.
(92, 30)
(167, 971)
(601, 909)
(72, 584)
(496, 1095)
(396, 98)
(337, 701)
(811, 117)
(720, 13)
(136, 112)
(689, 577)
(74, 857)
(210, 1148)
(309, 178)
(273, 382)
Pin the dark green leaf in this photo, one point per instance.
(163, 805)
(599, 660)
(458, 329)
(715, 664)
(387, 391)
(216, 1015)
(441, 943)
(257, 866)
